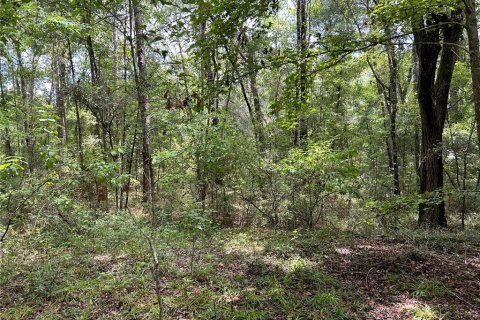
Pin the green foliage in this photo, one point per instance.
(425, 312)
(108, 173)
(43, 280)
(321, 163)
(313, 174)
(394, 12)
(430, 288)
(11, 166)
(227, 83)
(196, 223)
(63, 203)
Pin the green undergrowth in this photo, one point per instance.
(104, 272)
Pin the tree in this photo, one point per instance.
(301, 130)
(143, 102)
(471, 26)
(433, 91)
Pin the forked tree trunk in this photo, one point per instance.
(94, 72)
(433, 91)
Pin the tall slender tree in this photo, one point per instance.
(143, 102)
(474, 52)
(301, 130)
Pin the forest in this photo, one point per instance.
(239, 159)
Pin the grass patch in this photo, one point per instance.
(105, 273)
(430, 288)
(424, 312)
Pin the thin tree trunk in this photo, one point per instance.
(258, 115)
(26, 103)
(255, 112)
(206, 85)
(143, 103)
(7, 142)
(390, 92)
(77, 111)
(60, 101)
(392, 107)
(338, 114)
(94, 71)
(464, 178)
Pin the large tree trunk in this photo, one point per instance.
(433, 91)
(474, 47)
(301, 130)
(143, 103)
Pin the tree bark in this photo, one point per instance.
(474, 52)
(3, 102)
(258, 114)
(143, 103)
(392, 108)
(433, 91)
(94, 71)
(301, 130)
(77, 111)
(390, 92)
(60, 101)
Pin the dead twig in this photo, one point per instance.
(9, 220)
(19, 206)
(366, 277)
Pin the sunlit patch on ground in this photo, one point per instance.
(103, 258)
(290, 264)
(243, 243)
(343, 251)
(404, 308)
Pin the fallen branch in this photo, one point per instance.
(6, 230)
(9, 220)
(20, 205)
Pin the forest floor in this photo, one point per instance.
(104, 273)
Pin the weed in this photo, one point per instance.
(430, 288)
(424, 312)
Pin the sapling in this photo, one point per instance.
(196, 224)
